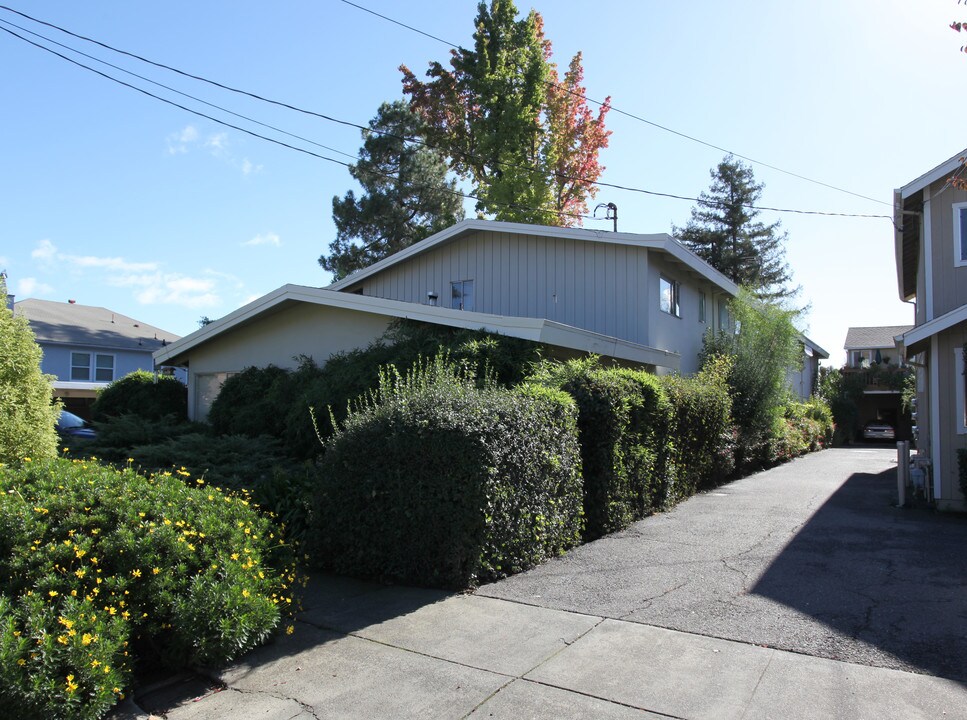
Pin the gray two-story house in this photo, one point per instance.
(638, 299)
(931, 261)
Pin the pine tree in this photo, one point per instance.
(406, 194)
(27, 415)
(724, 232)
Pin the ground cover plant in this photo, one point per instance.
(103, 569)
(435, 481)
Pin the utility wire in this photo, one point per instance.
(638, 117)
(339, 121)
(468, 196)
(179, 92)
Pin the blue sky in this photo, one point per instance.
(114, 199)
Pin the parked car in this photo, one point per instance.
(69, 425)
(877, 430)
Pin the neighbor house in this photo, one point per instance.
(85, 348)
(931, 261)
(802, 381)
(872, 356)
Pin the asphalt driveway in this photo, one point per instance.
(810, 557)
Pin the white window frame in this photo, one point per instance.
(92, 366)
(675, 295)
(960, 247)
(961, 392)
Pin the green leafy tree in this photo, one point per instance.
(527, 141)
(27, 417)
(406, 194)
(763, 349)
(723, 231)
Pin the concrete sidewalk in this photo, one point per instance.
(368, 651)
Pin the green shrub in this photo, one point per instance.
(100, 569)
(244, 404)
(434, 481)
(704, 437)
(805, 426)
(624, 419)
(842, 393)
(116, 436)
(143, 394)
(28, 416)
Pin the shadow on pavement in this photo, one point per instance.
(333, 607)
(889, 577)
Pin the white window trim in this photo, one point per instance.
(92, 367)
(961, 422)
(959, 259)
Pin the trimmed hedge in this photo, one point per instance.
(100, 569)
(143, 394)
(704, 436)
(435, 482)
(624, 420)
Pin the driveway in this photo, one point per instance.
(810, 557)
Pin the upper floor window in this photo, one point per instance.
(960, 234)
(86, 367)
(669, 296)
(461, 295)
(701, 307)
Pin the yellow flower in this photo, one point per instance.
(62, 639)
(87, 639)
(71, 685)
(136, 573)
(21, 661)
(155, 571)
(26, 459)
(53, 593)
(289, 630)
(245, 593)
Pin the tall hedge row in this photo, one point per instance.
(624, 422)
(438, 482)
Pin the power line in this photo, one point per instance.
(174, 90)
(468, 196)
(639, 118)
(331, 119)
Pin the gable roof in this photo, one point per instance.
(536, 329)
(88, 326)
(812, 349)
(659, 241)
(942, 170)
(859, 338)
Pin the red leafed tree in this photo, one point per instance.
(576, 136)
(525, 139)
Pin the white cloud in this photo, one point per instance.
(266, 239)
(249, 168)
(217, 143)
(44, 251)
(29, 286)
(178, 142)
(171, 289)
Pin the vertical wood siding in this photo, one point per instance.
(949, 282)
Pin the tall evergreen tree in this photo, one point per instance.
(406, 194)
(526, 141)
(724, 232)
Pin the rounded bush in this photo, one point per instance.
(143, 394)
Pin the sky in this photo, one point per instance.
(112, 198)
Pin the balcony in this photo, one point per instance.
(880, 378)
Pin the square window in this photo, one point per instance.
(668, 296)
(80, 366)
(461, 295)
(104, 368)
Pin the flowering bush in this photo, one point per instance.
(102, 568)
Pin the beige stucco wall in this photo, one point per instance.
(277, 339)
